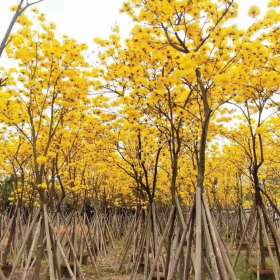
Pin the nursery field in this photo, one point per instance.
(120, 246)
(151, 156)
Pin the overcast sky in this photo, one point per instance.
(87, 19)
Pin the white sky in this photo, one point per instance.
(87, 19)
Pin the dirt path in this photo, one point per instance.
(108, 266)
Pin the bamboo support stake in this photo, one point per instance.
(63, 255)
(161, 243)
(178, 252)
(215, 241)
(49, 245)
(27, 233)
(274, 263)
(34, 242)
(209, 244)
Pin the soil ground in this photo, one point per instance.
(108, 266)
